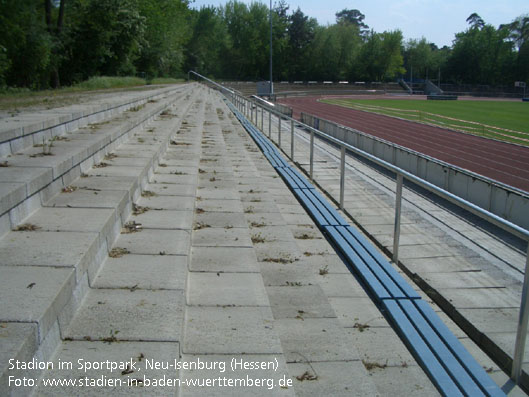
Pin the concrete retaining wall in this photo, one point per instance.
(283, 109)
(502, 200)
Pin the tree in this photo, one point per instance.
(518, 33)
(333, 51)
(353, 17)
(418, 56)
(475, 21)
(324, 65)
(280, 24)
(380, 57)
(113, 30)
(167, 30)
(208, 44)
(482, 56)
(4, 65)
(25, 44)
(391, 57)
(57, 39)
(47, 42)
(300, 36)
(518, 30)
(248, 29)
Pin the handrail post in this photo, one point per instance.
(279, 132)
(270, 124)
(396, 232)
(521, 333)
(342, 176)
(292, 140)
(311, 154)
(262, 118)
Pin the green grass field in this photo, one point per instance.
(503, 120)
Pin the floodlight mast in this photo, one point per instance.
(271, 82)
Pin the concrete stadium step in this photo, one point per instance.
(291, 257)
(212, 260)
(31, 176)
(229, 313)
(47, 268)
(20, 130)
(136, 298)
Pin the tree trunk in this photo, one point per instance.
(56, 81)
(47, 10)
(61, 16)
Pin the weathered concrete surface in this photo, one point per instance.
(128, 315)
(126, 382)
(47, 267)
(215, 261)
(453, 255)
(151, 272)
(288, 253)
(19, 342)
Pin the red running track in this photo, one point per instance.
(500, 161)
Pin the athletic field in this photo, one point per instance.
(502, 120)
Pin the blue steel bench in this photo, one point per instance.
(381, 279)
(294, 179)
(444, 359)
(319, 209)
(276, 160)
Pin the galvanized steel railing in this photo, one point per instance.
(251, 108)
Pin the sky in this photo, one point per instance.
(436, 20)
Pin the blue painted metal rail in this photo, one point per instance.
(444, 359)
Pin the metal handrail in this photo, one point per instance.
(247, 106)
(442, 163)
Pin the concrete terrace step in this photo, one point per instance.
(22, 130)
(46, 270)
(226, 264)
(137, 297)
(303, 277)
(31, 177)
(226, 311)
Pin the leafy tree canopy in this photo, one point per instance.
(48, 43)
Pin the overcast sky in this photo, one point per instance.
(437, 20)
